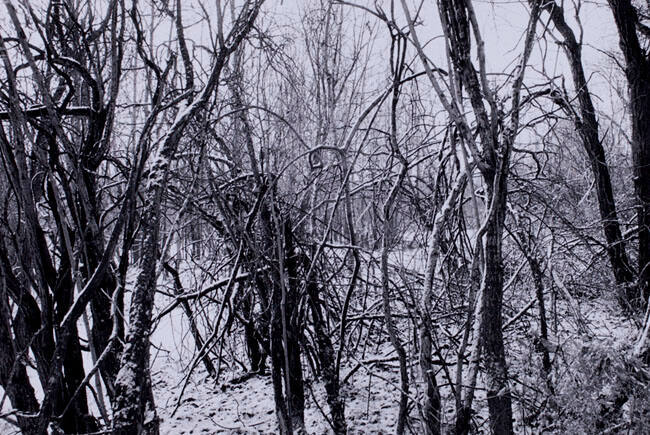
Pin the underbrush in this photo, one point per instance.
(603, 390)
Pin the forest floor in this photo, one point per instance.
(248, 407)
(371, 394)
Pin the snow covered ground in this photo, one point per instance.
(371, 393)
(248, 407)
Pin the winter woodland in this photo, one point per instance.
(324, 216)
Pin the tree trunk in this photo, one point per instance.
(277, 363)
(254, 346)
(293, 329)
(587, 127)
(13, 375)
(637, 71)
(76, 418)
(538, 276)
(285, 331)
(431, 404)
(389, 321)
(496, 374)
(133, 407)
(326, 356)
(102, 327)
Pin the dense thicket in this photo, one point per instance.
(322, 191)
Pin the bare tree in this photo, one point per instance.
(133, 409)
(57, 148)
(587, 126)
(310, 197)
(496, 134)
(637, 72)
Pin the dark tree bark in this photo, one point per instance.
(13, 375)
(432, 405)
(134, 410)
(389, 320)
(66, 157)
(76, 418)
(254, 342)
(100, 304)
(496, 379)
(293, 327)
(276, 332)
(277, 364)
(285, 329)
(397, 64)
(494, 167)
(637, 71)
(587, 126)
(496, 134)
(542, 346)
(133, 407)
(325, 348)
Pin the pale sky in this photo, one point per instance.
(502, 26)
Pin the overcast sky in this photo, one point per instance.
(502, 24)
